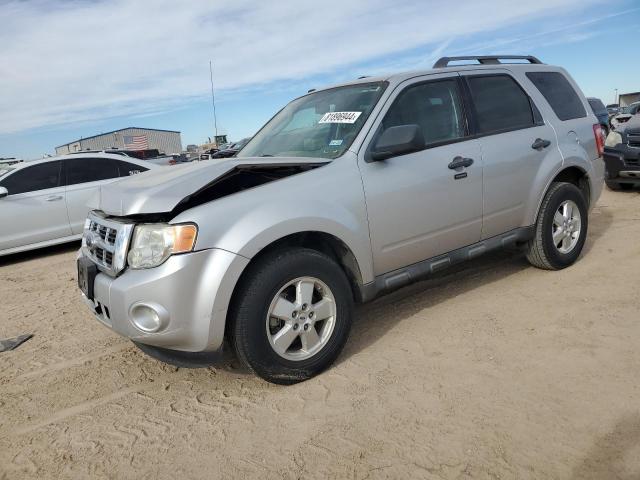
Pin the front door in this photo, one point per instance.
(418, 205)
(35, 209)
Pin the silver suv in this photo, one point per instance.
(347, 193)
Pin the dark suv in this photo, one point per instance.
(622, 156)
(601, 113)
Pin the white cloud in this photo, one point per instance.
(72, 61)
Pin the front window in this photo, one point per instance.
(321, 125)
(41, 176)
(435, 107)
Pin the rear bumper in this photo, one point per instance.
(192, 291)
(622, 164)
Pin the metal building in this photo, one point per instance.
(627, 99)
(132, 138)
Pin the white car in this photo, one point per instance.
(44, 202)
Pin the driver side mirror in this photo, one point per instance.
(398, 140)
(3, 192)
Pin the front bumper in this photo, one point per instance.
(192, 289)
(622, 163)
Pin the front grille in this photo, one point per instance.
(634, 140)
(105, 242)
(104, 256)
(105, 233)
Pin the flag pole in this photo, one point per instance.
(213, 102)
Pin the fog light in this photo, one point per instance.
(149, 317)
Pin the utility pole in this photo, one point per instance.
(213, 102)
(615, 99)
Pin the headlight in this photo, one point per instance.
(613, 139)
(152, 243)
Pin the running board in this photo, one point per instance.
(387, 282)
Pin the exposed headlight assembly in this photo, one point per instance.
(153, 243)
(613, 139)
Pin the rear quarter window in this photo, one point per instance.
(126, 169)
(557, 90)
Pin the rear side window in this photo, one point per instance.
(500, 104)
(125, 169)
(557, 90)
(84, 170)
(31, 179)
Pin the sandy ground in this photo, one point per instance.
(494, 370)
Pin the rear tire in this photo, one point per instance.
(561, 228)
(291, 315)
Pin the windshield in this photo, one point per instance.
(630, 109)
(321, 125)
(241, 143)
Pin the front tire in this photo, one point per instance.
(291, 315)
(561, 228)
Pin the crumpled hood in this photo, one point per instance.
(160, 190)
(632, 126)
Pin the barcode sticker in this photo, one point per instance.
(340, 117)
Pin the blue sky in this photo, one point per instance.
(72, 69)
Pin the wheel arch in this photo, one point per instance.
(573, 174)
(323, 242)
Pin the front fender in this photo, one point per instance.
(328, 200)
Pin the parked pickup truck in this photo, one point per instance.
(345, 194)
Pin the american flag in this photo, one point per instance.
(136, 142)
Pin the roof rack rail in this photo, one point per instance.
(485, 59)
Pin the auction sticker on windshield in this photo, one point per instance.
(340, 117)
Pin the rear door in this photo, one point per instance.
(84, 177)
(515, 143)
(35, 210)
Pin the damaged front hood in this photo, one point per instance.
(632, 125)
(161, 190)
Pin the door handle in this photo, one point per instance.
(54, 198)
(540, 144)
(460, 162)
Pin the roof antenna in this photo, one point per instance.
(213, 102)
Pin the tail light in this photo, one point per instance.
(598, 132)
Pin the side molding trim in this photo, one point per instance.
(390, 281)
